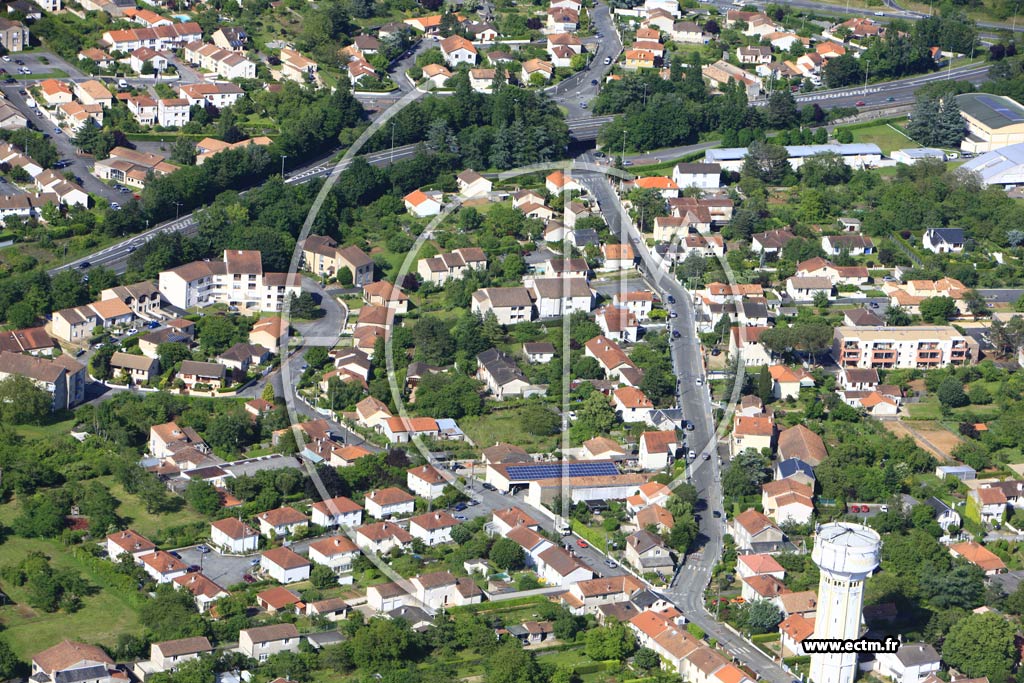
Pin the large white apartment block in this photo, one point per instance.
(237, 280)
(901, 347)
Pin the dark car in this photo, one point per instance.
(459, 507)
(152, 325)
(489, 487)
(716, 352)
(593, 82)
(174, 554)
(248, 578)
(675, 334)
(84, 264)
(671, 299)
(194, 568)
(716, 514)
(689, 427)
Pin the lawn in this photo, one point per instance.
(133, 511)
(887, 136)
(54, 427)
(505, 425)
(103, 616)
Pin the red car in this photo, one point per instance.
(248, 578)
(860, 103)
(581, 543)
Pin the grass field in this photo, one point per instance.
(103, 616)
(886, 136)
(507, 426)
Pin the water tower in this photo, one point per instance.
(846, 554)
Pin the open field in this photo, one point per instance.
(887, 136)
(103, 616)
(507, 426)
(931, 436)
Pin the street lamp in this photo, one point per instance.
(283, 157)
(177, 210)
(393, 140)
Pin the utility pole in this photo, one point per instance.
(283, 157)
(177, 210)
(867, 69)
(393, 140)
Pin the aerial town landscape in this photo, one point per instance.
(561, 341)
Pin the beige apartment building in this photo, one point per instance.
(902, 347)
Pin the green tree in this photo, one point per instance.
(826, 168)
(434, 342)
(10, 665)
(951, 393)
(22, 402)
(766, 162)
(537, 419)
(596, 416)
(510, 663)
(202, 497)
(938, 309)
(647, 659)
(323, 576)
(897, 316)
(765, 385)
(21, 314)
(981, 645)
(507, 554)
(172, 353)
(304, 307)
(613, 641)
(762, 616)
(448, 395)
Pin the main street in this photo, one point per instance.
(704, 472)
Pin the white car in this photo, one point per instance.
(607, 60)
(5, 58)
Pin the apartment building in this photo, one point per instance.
(237, 280)
(219, 95)
(902, 347)
(225, 63)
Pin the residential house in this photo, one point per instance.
(233, 535)
(771, 242)
(556, 297)
(943, 240)
(382, 537)
(403, 430)
(638, 302)
(806, 289)
(787, 500)
(853, 244)
(618, 323)
(284, 565)
(277, 599)
(163, 567)
(73, 661)
(801, 443)
(911, 663)
(389, 502)
(945, 516)
(422, 204)
(433, 528)
(539, 352)
(237, 280)
(298, 68)
(759, 565)
(454, 265)
(439, 590)
(510, 305)
(128, 542)
(199, 376)
(204, 591)
(632, 405)
(658, 449)
(646, 552)
(263, 641)
(472, 184)
(457, 50)
(338, 511)
(282, 521)
(787, 382)
(756, 433)
(755, 532)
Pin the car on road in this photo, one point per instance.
(593, 82)
(489, 486)
(254, 561)
(717, 514)
(671, 299)
(627, 163)
(472, 502)
(248, 578)
(583, 544)
(461, 518)
(152, 325)
(890, 98)
(873, 304)
(690, 427)
(459, 507)
(607, 60)
(175, 554)
(599, 154)
(84, 264)
(5, 58)
(879, 14)
(700, 381)
(673, 314)
(133, 330)
(610, 564)
(583, 105)
(675, 334)
(115, 206)
(194, 568)
(859, 103)
(707, 456)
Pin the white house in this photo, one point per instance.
(382, 537)
(339, 511)
(912, 663)
(336, 552)
(389, 502)
(433, 528)
(632, 404)
(234, 536)
(472, 184)
(282, 521)
(263, 641)
(457, 50)
(423, 204)
(284, 565)
(657, 449)
(426, 482)
(163, 567)
(943, 240)
(128, 542)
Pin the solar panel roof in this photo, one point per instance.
(555, 470)
(993, 111)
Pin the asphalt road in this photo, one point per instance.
(584, 86)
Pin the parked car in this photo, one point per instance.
(717, 514)
(671, 299)
(254, 561)
(610, 564)
(175, 554)
(459, 507)
(194, 568)
(675, 334)
(152, 325)
(583, 544)
(489, 487)
(203, 548)
(248, 578)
